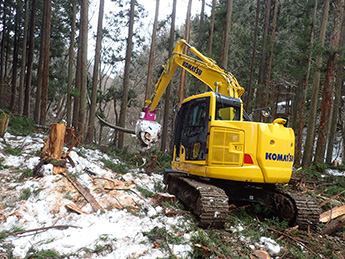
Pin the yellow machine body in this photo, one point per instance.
(212, 138)
(235, 149)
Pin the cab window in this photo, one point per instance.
(196, 119)
(228, 113)
(228, 108)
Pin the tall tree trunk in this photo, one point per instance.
(226, 34)
(300, 106)
(262, 67)
(23, 61)
(38, 95)
(328, 89)
(168, 90)
(46, 28)
(151, 57)
(26, 111)
(126, 75)
(201, 25)
(325, 111)
(70, 63)
(309, 142)
(2, 50)
(187, 36)
(200, 40)
(249, 93)
(338, 87)
(91, 126)
(37, 111)
(76, 98)
(211, 29)
(19, 8)
(83, 65)
(269, 96)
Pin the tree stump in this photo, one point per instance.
(53, 146)
(54, 143)
(4, 119)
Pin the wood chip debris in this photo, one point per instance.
(332, 214)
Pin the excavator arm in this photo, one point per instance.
(203, 68)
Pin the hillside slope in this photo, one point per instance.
(36, 219)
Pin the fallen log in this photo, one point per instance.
(83, 191)
(332, 214)
(333, 226)
(39, 230)
(115, 126)
(74, 208)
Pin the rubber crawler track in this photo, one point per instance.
(308, 212)
(210, 203)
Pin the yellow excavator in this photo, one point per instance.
(219, 155)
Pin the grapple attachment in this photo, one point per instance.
(147, 129)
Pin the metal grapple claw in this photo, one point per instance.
(147, 132)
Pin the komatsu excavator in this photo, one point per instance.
(219, 155)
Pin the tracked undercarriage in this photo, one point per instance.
(208, 199)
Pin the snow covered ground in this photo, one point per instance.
(118, 229)
(121, 230)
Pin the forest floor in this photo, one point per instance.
(46, 217)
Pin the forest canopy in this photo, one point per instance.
(58, 66)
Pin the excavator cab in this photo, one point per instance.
(191, 129)
(192, 123)
(214, 138)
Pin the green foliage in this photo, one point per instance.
(201, 237)
(163, 160)
(145, 192)
(1, 165)
(37, 191)
(43, 254)
(118, 168)
(13, 151)
(216, 244)
(25, 173)
(5, 234)
(159, 187)
(21, 126)
(68, 196)
(82, 153)
(104, 237)
(100, 248)
(334, 189)
(155, 159)
(339, 167)
(321, 167)
(124, 155)
(163, 236)
(309, 173)
(25, 194)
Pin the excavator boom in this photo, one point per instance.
(203, 68)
